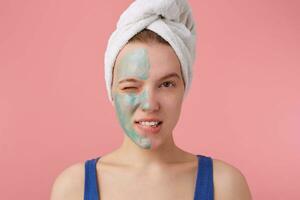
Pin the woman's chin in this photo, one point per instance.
(148, 143)
(155, 144)
(144, 143)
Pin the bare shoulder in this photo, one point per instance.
(229, 182)
(69, 184)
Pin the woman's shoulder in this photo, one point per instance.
(69, 184)
(229, 182)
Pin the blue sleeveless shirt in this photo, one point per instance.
(204, 188)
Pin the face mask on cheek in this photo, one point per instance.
(126, 105)
(134, 63)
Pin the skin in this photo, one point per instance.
(157, 163)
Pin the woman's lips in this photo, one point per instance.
(148, 129)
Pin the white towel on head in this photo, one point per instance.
(171, 19)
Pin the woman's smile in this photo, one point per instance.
(148, 127)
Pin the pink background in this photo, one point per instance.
(243, 107)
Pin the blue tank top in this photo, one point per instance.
(204, 187)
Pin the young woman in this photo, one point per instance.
(148, 72)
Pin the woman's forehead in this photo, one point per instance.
(139, 59)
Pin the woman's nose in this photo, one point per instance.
(150, 102)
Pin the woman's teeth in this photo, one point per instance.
(153, 123)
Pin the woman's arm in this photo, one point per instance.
(229, 182)
(69, 184)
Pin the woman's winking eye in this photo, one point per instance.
(129, 88)
(166, 84)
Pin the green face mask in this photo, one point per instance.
(134, 64)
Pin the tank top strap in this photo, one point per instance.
(204, 184)
(90, 181)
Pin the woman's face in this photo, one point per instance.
(147, 86)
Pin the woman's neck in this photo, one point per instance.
(165, 154)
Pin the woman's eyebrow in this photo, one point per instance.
(169, 76)
(128, 80)
(162, 78)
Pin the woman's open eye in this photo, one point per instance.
(168, 84)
